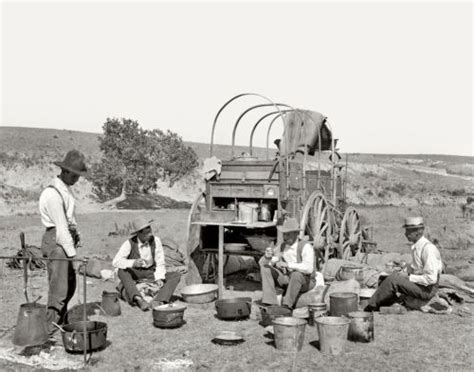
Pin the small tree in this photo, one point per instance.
(135, 159)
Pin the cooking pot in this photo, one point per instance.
(347, 272)
(74, 340)
(168, 316)
(234, 308)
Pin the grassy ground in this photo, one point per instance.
(414, 341)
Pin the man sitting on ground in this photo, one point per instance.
(141, 258)
(290, 266)
(420, 280)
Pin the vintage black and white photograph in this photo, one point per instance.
(236, 185)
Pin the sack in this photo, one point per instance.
(34, 256)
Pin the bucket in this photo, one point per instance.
(342, 303)
(168, 316)
(316, 310)
(110, 303)
(361, 328)
(270, 313)
(289, 333)
(248, 212)
(333, 333)
(31, 325)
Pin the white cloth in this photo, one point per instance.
(121, 260)
(426, 262)
(52, 213)
(306, 266)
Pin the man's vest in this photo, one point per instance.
(299, 255)
(135, 253)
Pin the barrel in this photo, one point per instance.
(333, 333)
(289, 333)
(342, 303)
(361, 328)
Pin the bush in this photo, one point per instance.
(135, 159)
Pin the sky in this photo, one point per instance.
(392, 77)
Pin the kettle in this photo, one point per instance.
(264, 214)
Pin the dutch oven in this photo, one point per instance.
(234, 308)
(74, 340)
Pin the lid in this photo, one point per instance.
(170, 308)
(232, 336)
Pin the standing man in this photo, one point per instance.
(141, 258)
(290, 266)
(420, 280)
(61, 238)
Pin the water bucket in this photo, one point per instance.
(31, 325)
(333, 333)
(248, 212)
(110, 303)
(270, 313)
(342, 303)
(168, 316)
(289, 333)
(361, 328)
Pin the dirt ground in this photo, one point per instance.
(414, 341)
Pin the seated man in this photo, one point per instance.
(290, 266)
(420, 280)
(141, 258)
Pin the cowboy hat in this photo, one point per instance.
(289, 225)
(138, 224)
(73, 162)
(413, 222)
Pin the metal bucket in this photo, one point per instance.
(342, 303)
(333, 333)
(361, 328)
(31, 325)
(270, 313)
(110, 303)
(289, 333)
(168, 316)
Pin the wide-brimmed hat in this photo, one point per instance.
(73, 162)
(138, 224)
(413, 222)
(289, 225)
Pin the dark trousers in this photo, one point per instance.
(129, 277)
(294, 283)
(61, 279)
(385, 295)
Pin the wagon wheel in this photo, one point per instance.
(316, 221)
(350, 234)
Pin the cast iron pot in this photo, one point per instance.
(95, 337)
(234, 308)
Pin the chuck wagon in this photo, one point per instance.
(248, 194)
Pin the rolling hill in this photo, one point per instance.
(26, 156)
